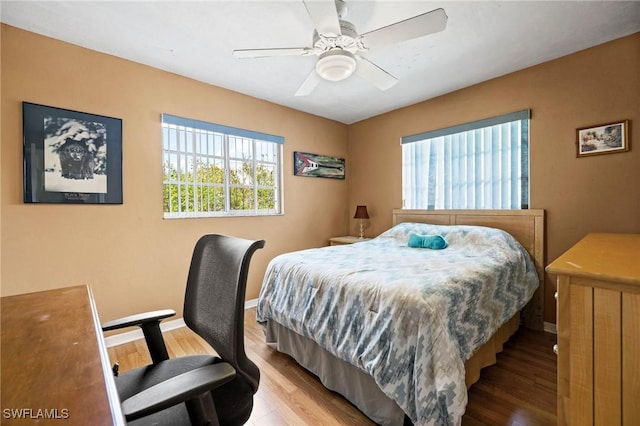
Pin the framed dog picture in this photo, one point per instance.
(71, 156)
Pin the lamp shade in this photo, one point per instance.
(361, 213)
(335, 65)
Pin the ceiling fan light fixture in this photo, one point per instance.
(336, 65)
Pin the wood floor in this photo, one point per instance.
(519, 390)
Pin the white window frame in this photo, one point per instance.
(479, 165)
(188, 144)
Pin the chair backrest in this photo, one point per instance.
(214, 299)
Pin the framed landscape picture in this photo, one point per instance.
(603, 139)
(71, 156)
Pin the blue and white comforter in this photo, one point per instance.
(409, 317)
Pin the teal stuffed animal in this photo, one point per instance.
(434, 242)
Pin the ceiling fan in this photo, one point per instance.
(337, 44)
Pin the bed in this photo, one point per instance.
(375, 322)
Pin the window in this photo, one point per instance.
(215, 170)
(478, 165)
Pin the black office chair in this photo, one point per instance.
(198, 389)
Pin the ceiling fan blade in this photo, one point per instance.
(265, 53)
(374, 74)
(309, 84)
(418, 26)
(324, 16)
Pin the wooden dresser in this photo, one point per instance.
(598, 321)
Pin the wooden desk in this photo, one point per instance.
(55, 367)
(599, 331)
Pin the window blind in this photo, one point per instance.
(479, 165)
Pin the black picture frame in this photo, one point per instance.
(71, 156)
(315, 165)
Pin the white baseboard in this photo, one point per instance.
(130, 336)
(251, 303)
(550, 327)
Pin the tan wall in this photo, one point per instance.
(580, 195)
(133, 258)
(0, 161)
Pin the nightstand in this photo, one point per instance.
(337, 241)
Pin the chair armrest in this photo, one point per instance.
(149, 322)
(177, 389)
(138, 319)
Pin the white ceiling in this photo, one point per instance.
(482, 40)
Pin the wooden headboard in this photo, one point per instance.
(526, 226)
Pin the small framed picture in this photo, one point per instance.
(603, 139)
(315, 165)
(71, 157)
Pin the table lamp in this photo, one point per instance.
(361, 213)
